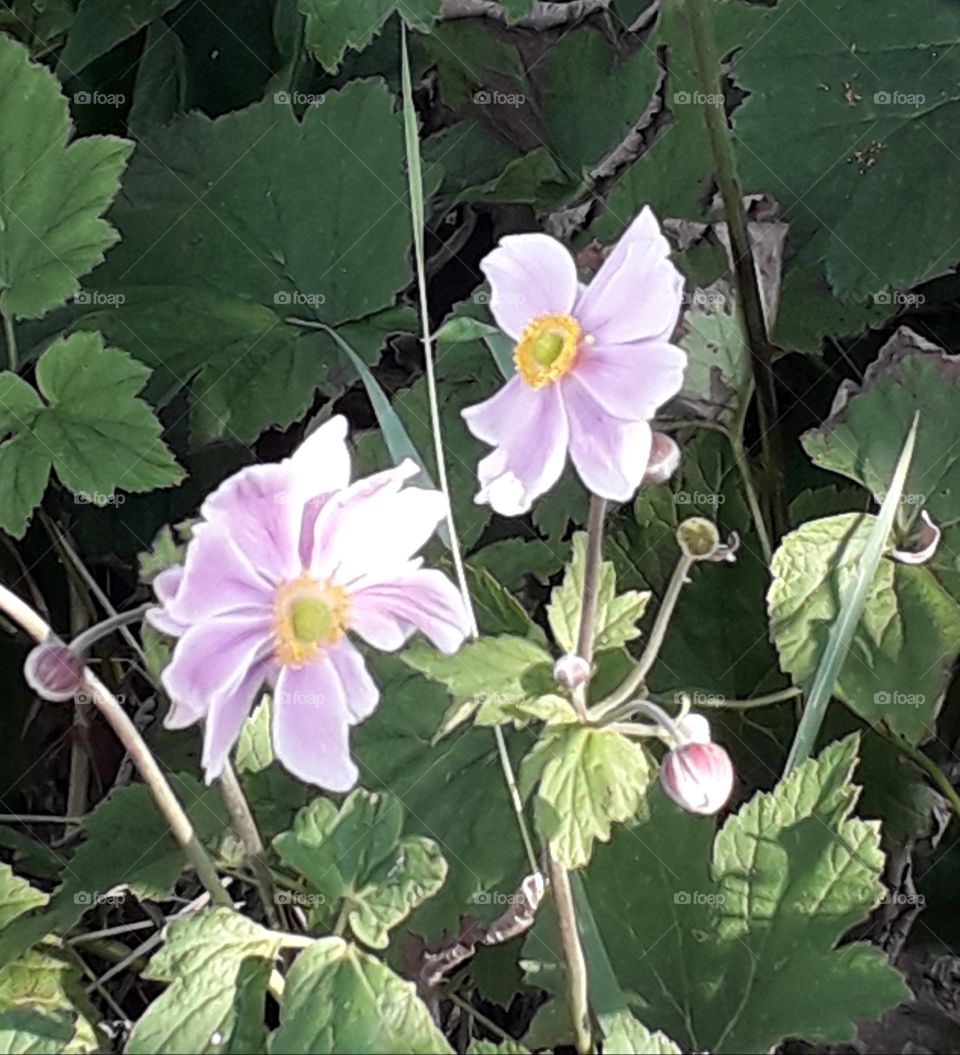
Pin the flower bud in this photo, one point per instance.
(698, 777)
(694, 728)
(53, 671)
(571, 671)
(664, 459)
(698, 538)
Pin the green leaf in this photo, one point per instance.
(680, 145)
(100, 25)
(335, 25)
(517, 9)
(628, 1037)
(42, 999)
(733, 944)
(586, 780)
(616, 617)
(453, 791)
(218, 964)
(874, 101)
(899, 660)
(160, 90)
(17, 896)
(861, 438)
(93, 429)
(361, 865)
(340, 1000)
(51, 194)
(25, 1031)
(214, 266)
(489, 664)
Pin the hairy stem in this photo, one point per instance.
(574, 960)
(591, 576)
(128, 735)
(749, 300)
(243, 820)
(927, 765)
(636, 678)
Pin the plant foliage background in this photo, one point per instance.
(206, 245)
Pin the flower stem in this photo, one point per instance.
(588, 610)
(636, 678)
(243, 820)
(128, 735)
(11, 338)
(574, 960)
(749, 300)
(721, 703)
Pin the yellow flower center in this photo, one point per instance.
(308, 616)
(547, 349)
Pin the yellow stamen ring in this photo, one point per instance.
(308, 616)
(547, 349)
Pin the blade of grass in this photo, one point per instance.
(851, 611)
(412, 140)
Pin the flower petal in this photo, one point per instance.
(225, 717)
(631, 381)
(217, 579)
(311, 726)
(497, 416)
(610, 454)
(374, 526)
(360, 691)
(263, 505)
(530, 275)
(385, 614)
(210, 659)
(637, 293)
(530, 456)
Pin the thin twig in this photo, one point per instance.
(636, 678)
(11, 339)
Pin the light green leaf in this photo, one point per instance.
(93, 430)
(628, 1037)
(586, 780)
(358, 862)
(874, 101)
(550, 709)
(218, 964)
(508, 665)
(17, 896)
(732, 944)
(335, 25)
(213, 265)
(51, 194)
(901, 655)
(340, 1000)
(41, 998)
(27, 1031)
(616, 618)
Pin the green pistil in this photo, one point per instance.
(546, 348)
(312, 620)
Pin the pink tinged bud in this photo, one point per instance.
(571, 671)
(698, 777)
(664, 459)
(694, 728)
(53, 671)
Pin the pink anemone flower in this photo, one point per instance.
(289, 561)
(594, 363)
